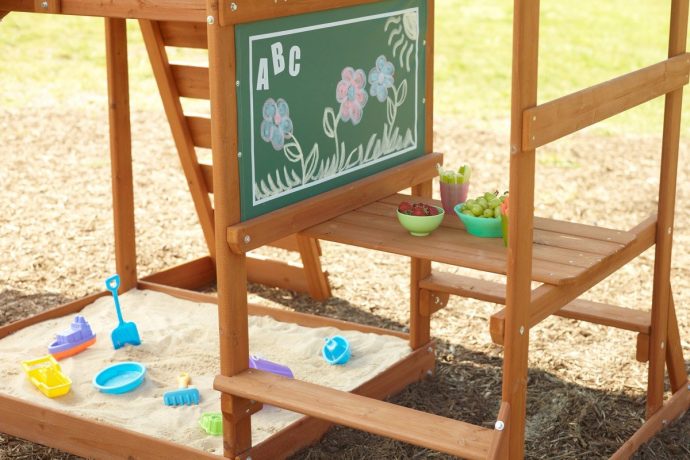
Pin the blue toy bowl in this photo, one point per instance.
(120, 377)
(336, 350)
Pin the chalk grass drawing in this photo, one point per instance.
(351, 93)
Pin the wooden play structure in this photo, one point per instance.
(254, 45)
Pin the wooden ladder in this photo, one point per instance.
(190, 132)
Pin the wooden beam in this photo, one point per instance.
(661, 285)
(241, 11)
(200, 129)
(550, 121)
(465, 286)
(85, 437)
(378, 417)
(121, 152)
(191, 80)
(673, 409)
(309, 430)
(56, 312)
(163, 10)
(499, 446)
(276, 273)
(182, 131)
(253, 233)
(47, 6)
(317, 281)
(184, 34)
(521, 222)
(231, 269)
(675, 361)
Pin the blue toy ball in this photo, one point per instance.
(336, 350)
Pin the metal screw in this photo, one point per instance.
(423, 42)
(513, 149)
(499, 425)
(237, 83)
(522, 330)
(233, 6)
(430, 350)
(44, 5)
(662, 345)
(247, 239)
(437, 300)
(423, 100)
(429, 373)
(669, 230)
(239, 154)
(210, 20)
(664, 422)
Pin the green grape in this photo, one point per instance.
(488, 213)
(497, 212)
(502, 198)
(482, 202)
(468, 212)
(489, 196)
(494, 203)
(477, 210)
(470, 203)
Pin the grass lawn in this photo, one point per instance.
(49, 59)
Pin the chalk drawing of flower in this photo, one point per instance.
(277, 125)
(351, 94)
(381, 78)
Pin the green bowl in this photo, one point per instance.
(483, 227)
(421, 225)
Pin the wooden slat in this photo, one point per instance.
(207, 171)
(378, 215)
(200, 128)
(674, 408)
(309, 430)
(85, 437)
(164, 10)
(276, 273)
(256, 10)
(121, 152)
(449, 244)
(607, 315)
(192, 81)
(184, 34)
(550, 121)
(559, 233)
(195, 274)
(259, 231)
(465, 286)
(378, 417)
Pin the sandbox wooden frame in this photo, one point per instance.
(534, 252)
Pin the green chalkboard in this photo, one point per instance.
(327, 98)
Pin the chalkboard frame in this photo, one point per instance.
(250, 111)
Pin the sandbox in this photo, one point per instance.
(181, 336)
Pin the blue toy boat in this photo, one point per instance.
(69, 342)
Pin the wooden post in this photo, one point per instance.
(121, 152)
(420, 324)
(231, 269)
(519, 266)
(661, 291)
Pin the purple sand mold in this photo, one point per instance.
(269, 366)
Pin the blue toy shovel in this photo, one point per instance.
(124, 333)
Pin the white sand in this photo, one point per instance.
(179, 335)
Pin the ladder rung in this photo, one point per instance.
(378, 417)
